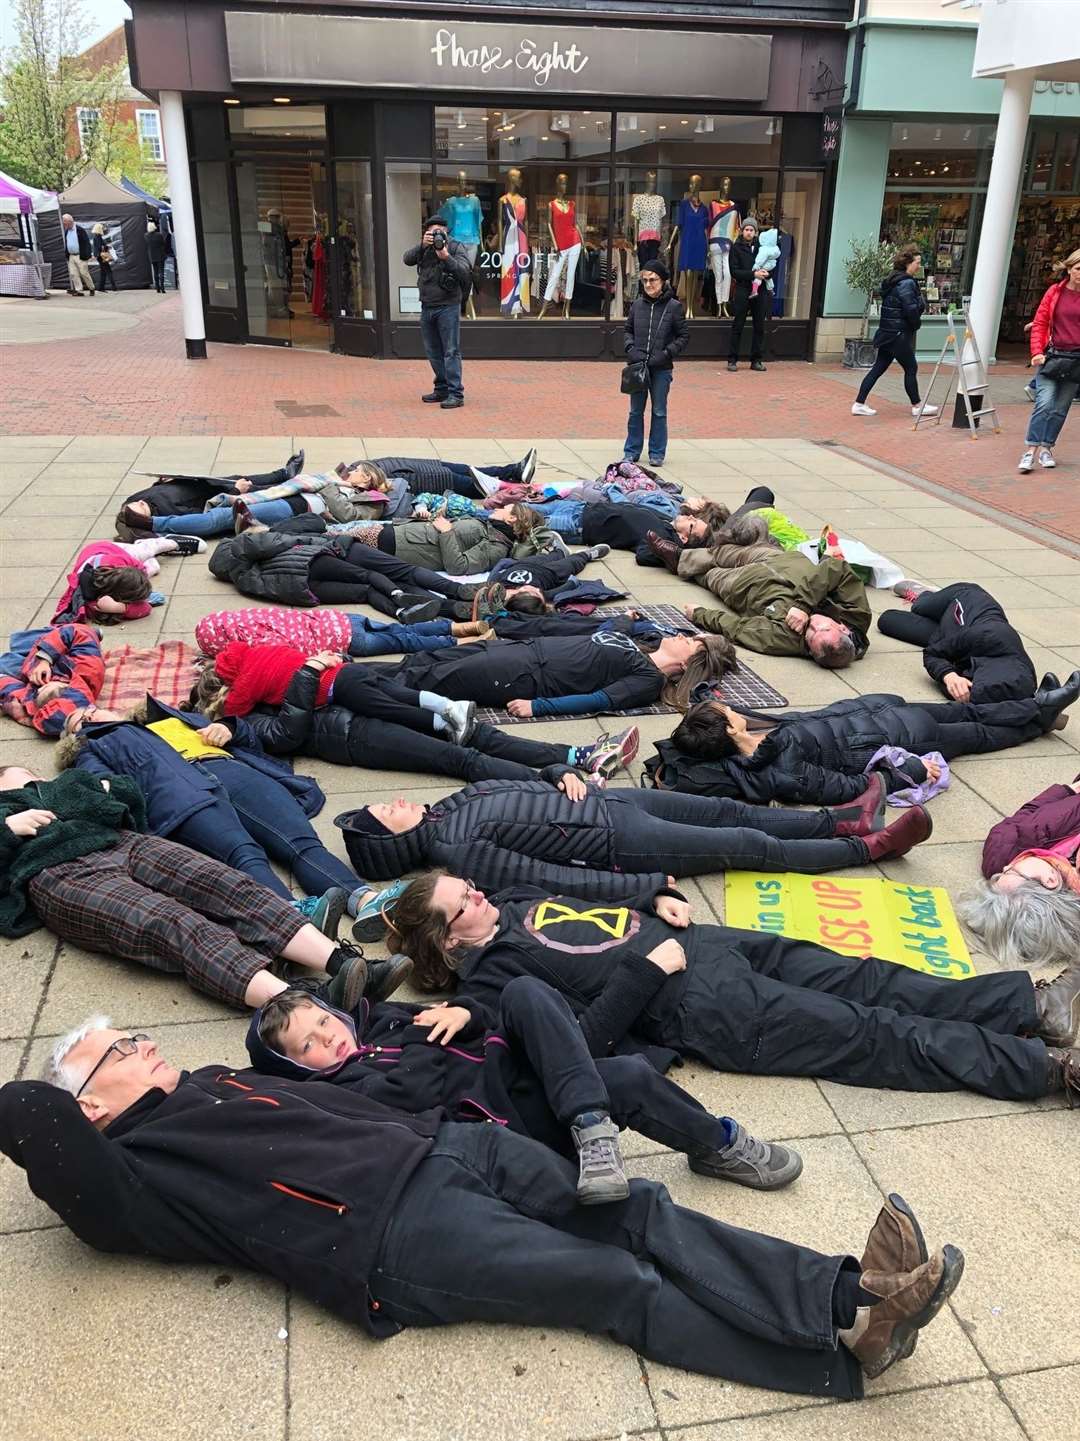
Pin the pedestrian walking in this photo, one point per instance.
(79, 250)
(1055, 353)
(444, 276)
(902, 307)
(656, 332)
(745, 299)
(104, 255)
(156, 250)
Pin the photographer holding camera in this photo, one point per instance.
(444, 279)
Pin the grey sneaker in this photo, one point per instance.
(761, 1165)
(558, 545)
(460, 716)
(601, 1176)
(597, 552)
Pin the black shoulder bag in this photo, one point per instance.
(635, 376)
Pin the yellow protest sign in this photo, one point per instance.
(913, 925)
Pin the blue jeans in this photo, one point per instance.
(374, 637)
(220, 520)
(1052, 401)
(659, 385)
(440, 326)
(563, 517)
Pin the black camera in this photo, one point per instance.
(438, 239)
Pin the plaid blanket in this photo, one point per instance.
(166, 671)
(744, 688)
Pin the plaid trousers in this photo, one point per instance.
(153, 901)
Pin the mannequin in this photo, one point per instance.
(514, 290)
(691, 224)
(648, 211)
(462, 211)
(724, 221)
(566, 243)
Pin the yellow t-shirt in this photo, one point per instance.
(183, 739)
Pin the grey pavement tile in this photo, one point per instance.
(31, 506)
(1008, 781)
(16, 554)
(132, 994)
(69, 526)
(21, 472)
(1017, 594)
(1044, 1400)
(101, 448)
(1039, 563)
(861, 1109)
(946, 568)
(124, 1302)
(475, 1383)
(961, 815)
(26, 967)
(974, 1411)
(983, 1183)
(1065, 586)
(27, 583)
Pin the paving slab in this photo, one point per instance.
(1045, 1400)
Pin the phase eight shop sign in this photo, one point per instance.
(390, 53)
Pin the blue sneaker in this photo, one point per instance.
(324, 911)
(369, 924)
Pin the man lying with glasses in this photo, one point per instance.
(300, 1180)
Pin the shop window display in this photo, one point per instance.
(518, 137)
(1046, 231)
(793, 278)
(354, 244)
(408, 205)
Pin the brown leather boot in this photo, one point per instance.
(910, 1300)
(470, 629)
(1057, 1007)
(866, 813)
(1064, 1073)
(666, 551)
(913, 827)
(896, 1243)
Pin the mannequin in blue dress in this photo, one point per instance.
(692, 222)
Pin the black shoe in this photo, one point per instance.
(433, 397)
(527, 468)
(733, 365)
(294, 465)
(757, 365)
(384, 977)
(1052, 702)
(453, 402)
(188, 544)
(415, 606)
(1049, 682)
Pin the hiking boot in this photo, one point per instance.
(913, 827)
(601, 1177)
(883, 1333)
(667, 552)
(1057, 1007)
(1052, 702)
(369, 922)
(384, 977)
(470, 629)
(460, 717)
(488, 602)
(1064, 1073)
(609, 753)
(761, 1165)
(865, 815)
(346, 989)
(896, 1242)
(324, 911)
(187, 544)
(910, 590)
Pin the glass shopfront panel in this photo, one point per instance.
(217, 234)
(408, 205)
(537, 237)
(1047, 225)
(515, 137)
(355, 241)
(799, 213)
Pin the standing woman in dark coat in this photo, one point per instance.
(744, 271)
(104, 257)
(656, 331)
(156, 250)
(902, 306)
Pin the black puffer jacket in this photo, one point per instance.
(974, 639)
(902, 306)
(819, 757)
(272, 566)
(507, 833)
(656, 330)
(741, 262)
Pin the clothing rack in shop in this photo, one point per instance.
(965, 363)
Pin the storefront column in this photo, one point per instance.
(174, 134)
(999, 213)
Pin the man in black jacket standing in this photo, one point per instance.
(743, 274)
(443, 276)
(300, 1179)
(656, 331)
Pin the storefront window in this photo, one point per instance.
(354, 243)
(1065, 171)
(1041, 166)
(716, 142)
(287, 122)
(793, 278)
(408, 205)
(537, 237)
(217, 234)
(514, 137)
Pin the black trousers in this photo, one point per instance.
(380, 697)
(566, 1080)
(370, 576)
(493, 753)
(488, 1229)
(106, 275)
(459, 478)
(967, 729)
(696, 835)
(757, 306)
(790, 1008)
(919, 625)
(158, 268)
(899, 350)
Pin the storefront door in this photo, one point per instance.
(284, 209)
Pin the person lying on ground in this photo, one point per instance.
(110, 583)
(524, 1065)
(571, 675)
(74, 860)
(325, 629)
(609, 844)
(459, 547)
(380, 734)
(444, 477)
(820, 757)
(744, 1001)
(1026, 911)
(344, 1201)
(785, 605)
(210, 786)
(969, 648)
(48, 674)
(620, 526)
(172, 496)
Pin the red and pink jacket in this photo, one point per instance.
(1042, 327)
(309, 631)
(75, 660)
(72, 605)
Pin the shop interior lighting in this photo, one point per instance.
(461, 120)
(684, 122)
(282, 100)
(232, 102)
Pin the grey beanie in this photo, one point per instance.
(749, 220)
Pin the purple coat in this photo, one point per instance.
(1051, 817)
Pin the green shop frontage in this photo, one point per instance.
(912, 167)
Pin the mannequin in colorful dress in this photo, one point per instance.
(648, 211)
(514, 289)
(692, 221)
(566, 243)
(724, 221)
(462, 211)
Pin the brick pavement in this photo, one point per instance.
(135, 381)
